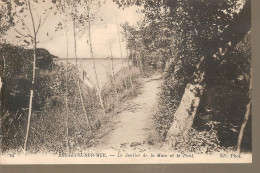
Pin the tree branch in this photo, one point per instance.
(23, 34)
(24, 24)
(44, 20)
(36, 12)
(49, 38)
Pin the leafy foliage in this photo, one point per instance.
(49, 108)
(178, 34)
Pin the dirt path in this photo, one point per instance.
(135, 123)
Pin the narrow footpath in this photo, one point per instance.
(136, 122)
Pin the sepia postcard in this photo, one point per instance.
(125, 81)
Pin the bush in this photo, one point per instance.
(115, 91)
(172, 91)
(223, 102)
(49, 106)
(202, 142)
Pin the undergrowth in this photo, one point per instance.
(49, 122)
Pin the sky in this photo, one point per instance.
(103, 33)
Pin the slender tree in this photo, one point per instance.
(76, 61)
(121, 53)
(66, 92)
(113, 79)
(17, 11)
(63, 8)
(92, 55)
(129, 67)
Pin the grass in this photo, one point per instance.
(121, 88)
(51, 116)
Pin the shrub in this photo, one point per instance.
(115, 91)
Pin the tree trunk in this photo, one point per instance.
(130, 77)
(66, 93)
(139, 62)
(33, 78)
(31, 96)
(66, 79)
(2, 78)
(129, 67)
(92, 56)
(121, 55)
(248, 109)
(113, 80)
(78, 78)
(185, 113)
